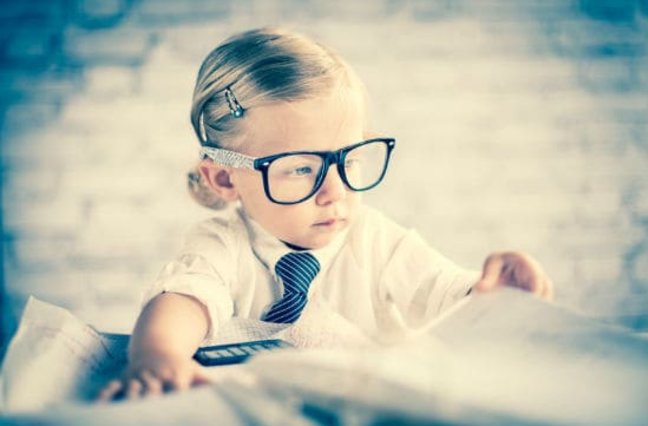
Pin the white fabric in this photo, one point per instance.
(379, 276)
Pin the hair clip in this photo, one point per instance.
(234, 106)
(201, 127)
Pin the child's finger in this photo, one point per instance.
(542, 285)
(179, 382)
(548, 292)
(152, 385)
(109, 391)
(529, 279)
(524, 273)
(537, 286)
(491, 273)
(134, 389)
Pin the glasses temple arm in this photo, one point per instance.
(228, 158)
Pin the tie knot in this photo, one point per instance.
(297, 270)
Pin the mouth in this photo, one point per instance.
(330, 222)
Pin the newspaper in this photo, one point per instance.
(501, 358)
(55, 357)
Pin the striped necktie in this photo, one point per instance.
(296, 270)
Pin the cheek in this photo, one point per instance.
(264, 211)
(353, 199)
(250, 188)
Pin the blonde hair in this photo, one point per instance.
(259, 67)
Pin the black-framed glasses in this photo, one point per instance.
(293, 177)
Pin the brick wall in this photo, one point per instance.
(522, 124)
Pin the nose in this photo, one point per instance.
(332, 189)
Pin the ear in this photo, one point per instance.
(218, 179)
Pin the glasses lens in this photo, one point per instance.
(365, 165)
(293, 177)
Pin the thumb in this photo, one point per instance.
(491, 273)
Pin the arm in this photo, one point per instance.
(172, 324)
(167, 333)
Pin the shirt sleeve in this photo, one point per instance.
(418, 283)
(203, 270)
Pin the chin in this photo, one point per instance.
(312, 244)
(319, 243)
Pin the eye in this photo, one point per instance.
(302, 171)
(296, 166)
(351, 162)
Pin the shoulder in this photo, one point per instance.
(226, 228)
(371, 221)
(375, 234)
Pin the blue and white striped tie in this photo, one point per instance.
(297, 270)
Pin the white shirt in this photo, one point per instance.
(378, 275)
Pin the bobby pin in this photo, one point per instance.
(234, 106)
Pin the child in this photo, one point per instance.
(282, 124)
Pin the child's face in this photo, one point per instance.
(322, 124)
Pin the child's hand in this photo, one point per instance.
(516, 270)
(153, 375)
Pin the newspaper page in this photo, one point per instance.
(499, 358)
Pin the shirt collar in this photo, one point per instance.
(269, 249)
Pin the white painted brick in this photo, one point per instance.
(30, 182)
(609, 137)
(401, 39)
(170, 11)
(642, 71)
(624, 107)
(173, 208)
(112, 181)
(124, 46)
(20, 117)
(110, 81)
(190, 44)
(591, 241)
(59, 216)
(86, 114)
(47, 86)
(529, 206)
(41, 254)
(638, 202)
(601, 271)
(125, 129)
(474, 73)
(115, 231)
(78, 292)
(51, 147)
(64, 288)
(577, 36)
(632, 310)
(100, 10)
(13, 10)
(597, 207)
(121, 285)
(640, 268)
(29, 45)
(168, 76)
(606, 74)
